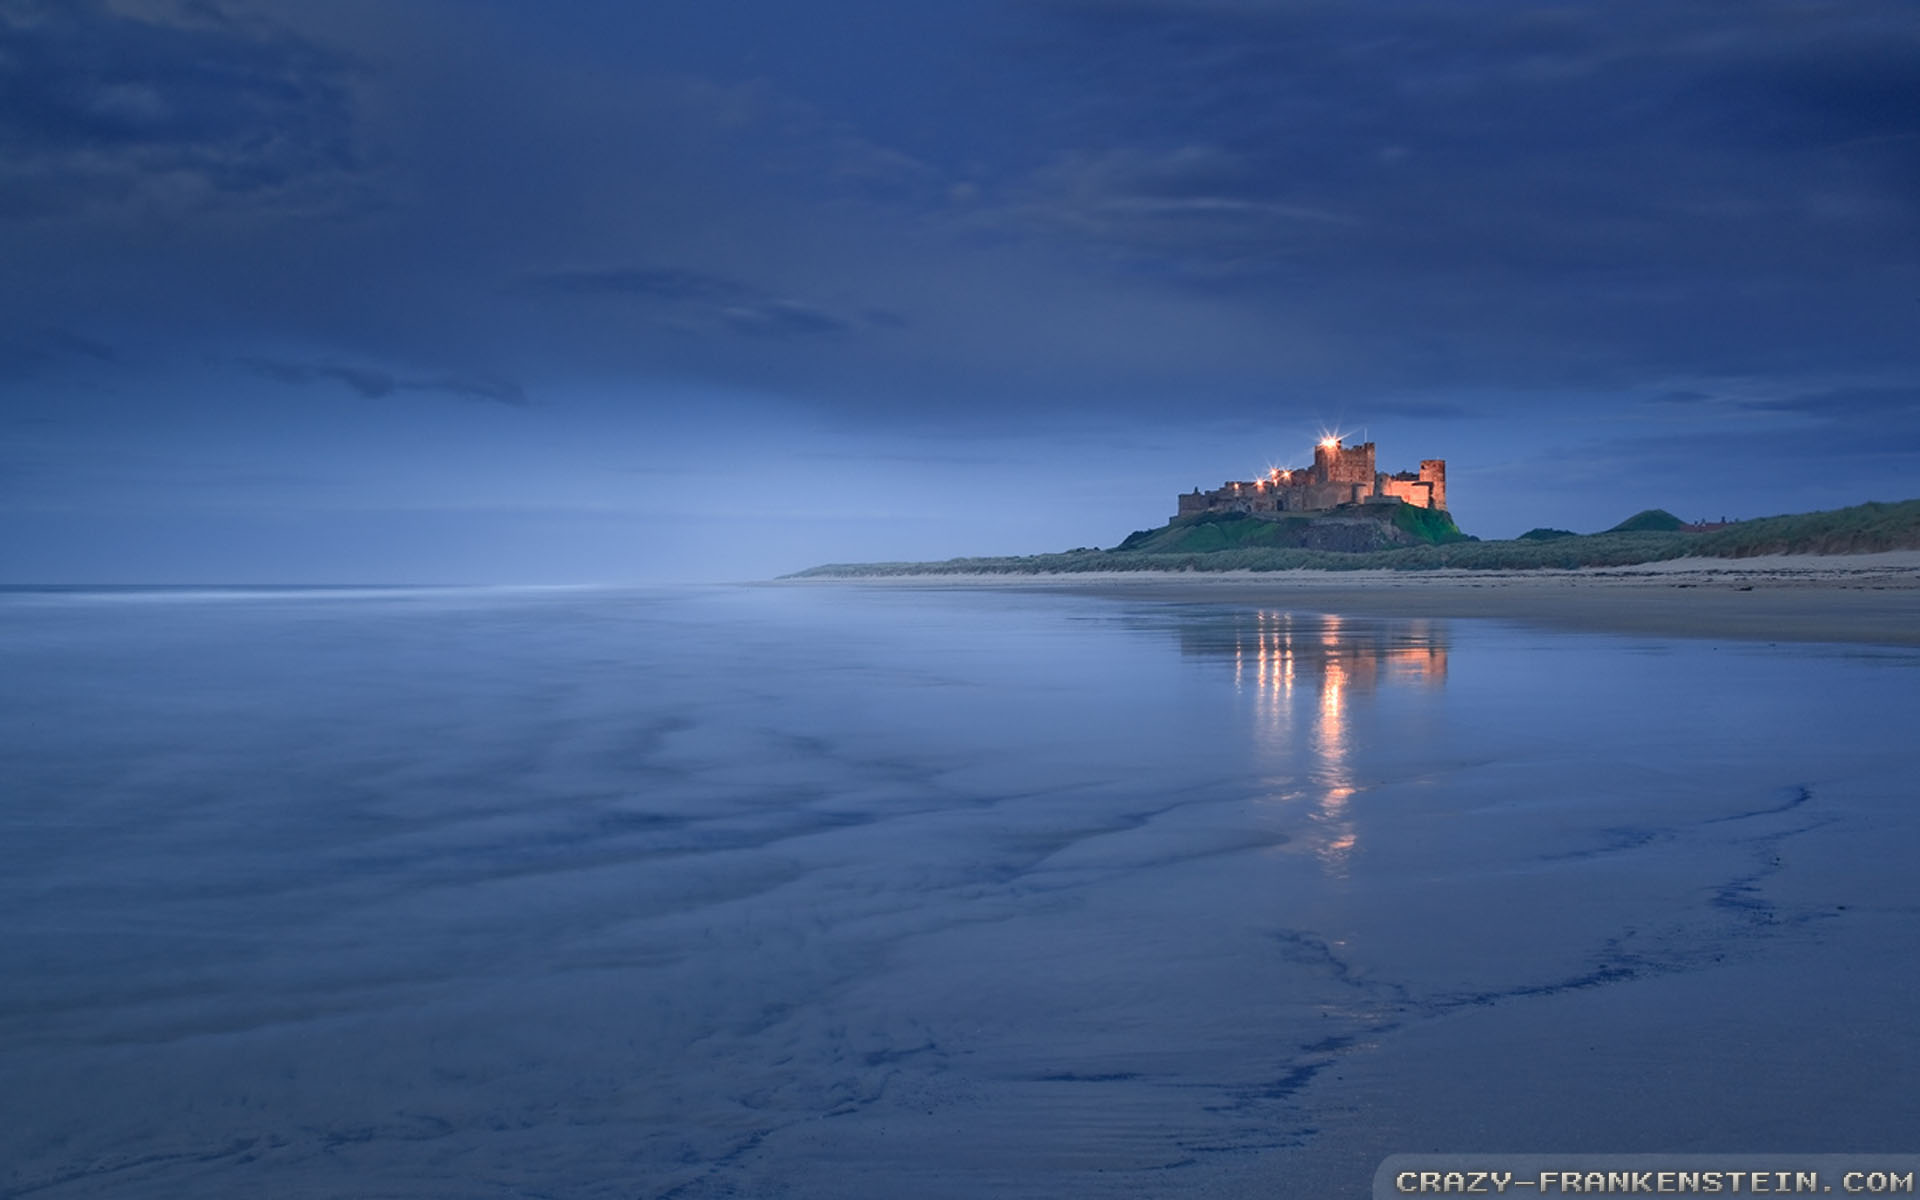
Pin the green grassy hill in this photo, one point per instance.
(1355, 529)
(1864, 528)
(1652, 520)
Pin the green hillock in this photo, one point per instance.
(1542, 533)
(1204, 533)
(1432, 526)
(1652, 520)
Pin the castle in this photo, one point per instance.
(1339, 475)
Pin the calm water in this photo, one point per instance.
(833, 892)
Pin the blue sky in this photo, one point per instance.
(601, 292)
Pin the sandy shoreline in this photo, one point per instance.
(1863, 598)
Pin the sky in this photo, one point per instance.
(507, 291)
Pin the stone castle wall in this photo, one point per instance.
(1417, 492)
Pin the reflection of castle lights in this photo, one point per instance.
(1313, 762)
(1275, 664)
(1330, 740)
(1332, 728)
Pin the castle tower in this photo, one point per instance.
(1334, 463)
(1434, 471)
(1341, 475)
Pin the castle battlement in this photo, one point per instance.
(1339, 475)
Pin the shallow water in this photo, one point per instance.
(840, 892)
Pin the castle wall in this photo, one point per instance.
(1417, 492)
(1332, 495)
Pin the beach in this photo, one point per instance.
(833, 892)
(1868, 598)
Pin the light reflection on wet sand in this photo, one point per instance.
(1336, 662)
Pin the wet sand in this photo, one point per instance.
(857, 894)
(1863, 598)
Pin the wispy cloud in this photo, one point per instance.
(28, 352)
(1203, 208)
(374, 383)
(702, 300)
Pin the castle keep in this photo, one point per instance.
(1339, 475)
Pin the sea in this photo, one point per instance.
(845, 891)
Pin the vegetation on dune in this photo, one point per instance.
(1861, 529)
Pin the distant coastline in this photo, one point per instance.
(1862, 529)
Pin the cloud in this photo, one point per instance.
(698, 300)
(926, 459)
(1681, 397)
(1863, 409)
(1834, 400)
(1492, 131)
(1485, 188)
(1833, 455)
(102, 105)
(25, 353)
(1200, 208)
(666, 284)
(373, 383)
(1421, 409)
(780, 318)
(1822, 440)
(1038, 210)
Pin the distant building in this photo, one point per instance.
(1339, 475)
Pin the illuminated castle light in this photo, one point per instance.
(1339, 475)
